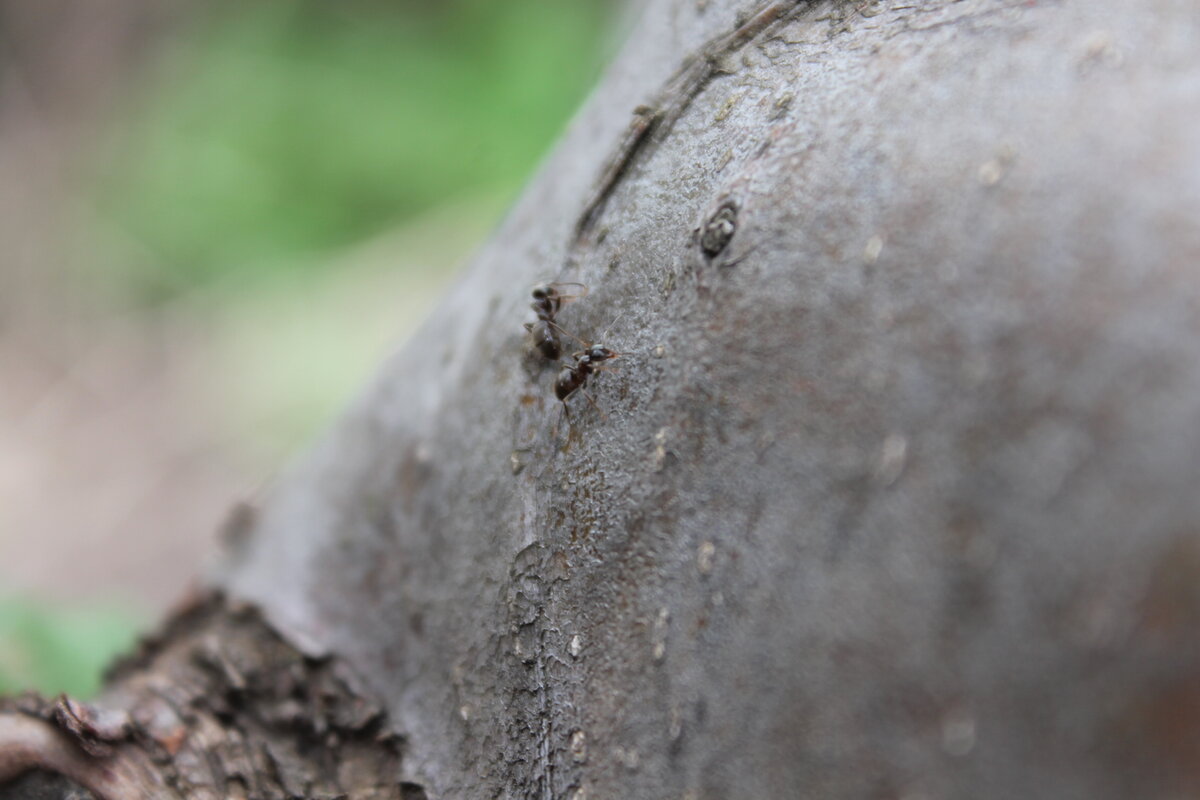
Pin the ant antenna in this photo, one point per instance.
(604, 335)
(563, 330)
(578, 290)
(592, 400)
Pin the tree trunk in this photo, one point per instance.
(893, 496)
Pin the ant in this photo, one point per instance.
(548, 299)
(573, 377)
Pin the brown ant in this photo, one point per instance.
(548, 299)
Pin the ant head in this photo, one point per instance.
(599, 352)
(541, 291)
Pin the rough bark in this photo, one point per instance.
(217, 705)
(895, 493)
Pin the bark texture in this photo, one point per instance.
(894, 495)
(216, 705)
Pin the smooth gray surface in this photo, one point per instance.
(903, 504)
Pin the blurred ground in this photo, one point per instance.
(120, 456)
(214, 222)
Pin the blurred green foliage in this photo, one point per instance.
(53, 649)
(265, 137)
(271, 133)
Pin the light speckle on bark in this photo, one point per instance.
(902, 506)
(877, 512)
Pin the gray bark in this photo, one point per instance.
(894, 495)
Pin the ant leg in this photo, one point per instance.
(593, 402)
(564, 413)
(567, 333)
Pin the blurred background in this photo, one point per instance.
(215, 220)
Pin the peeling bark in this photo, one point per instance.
(217, 705)
(894, 495)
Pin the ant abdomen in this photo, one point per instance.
(545, 339)
(569, 379)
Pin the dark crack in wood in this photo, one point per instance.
(654, 121)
